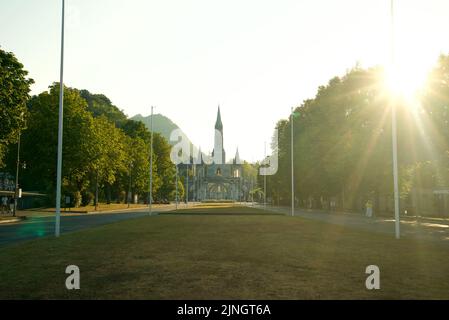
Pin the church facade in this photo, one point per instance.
(214, 179)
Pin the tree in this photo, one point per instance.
(163, 168)
(40, 142)
(14, 93)
(139, 166)
(100, 105)
(111, 157)
(341, 143)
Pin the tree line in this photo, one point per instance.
(105, 154)
(343, 143)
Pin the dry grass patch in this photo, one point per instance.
(224, 257)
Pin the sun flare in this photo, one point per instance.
(406, 82)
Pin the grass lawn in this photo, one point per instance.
(243, 255)
(7, 218)
(220, 209)
(81, 210)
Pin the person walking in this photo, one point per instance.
(369, 208)
(4, 204)
(11, 205)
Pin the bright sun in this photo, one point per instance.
(406, 82)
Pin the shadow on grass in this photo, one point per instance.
(231, 210)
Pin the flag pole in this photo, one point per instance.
(265, 179)
(151, 165)
(293, 173)
(60, 130)
(394, 134)
(176, 200)
(187, 186)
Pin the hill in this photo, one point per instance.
(164, 126)
(161, 124)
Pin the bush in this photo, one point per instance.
(87, 198)
(122, 197)
(77, 199)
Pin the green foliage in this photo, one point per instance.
(14, 92)
(343, 142)
(87, 198)
(161, 124)
(165, 169)
(39, 141)
(99, 151)
(100, 105)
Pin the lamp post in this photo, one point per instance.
(265, 179)
(60, 128)
(176, 186)
(187, 185)
(16, 189)
(151, 165)
(96, 191)
(194, 181)
(293, 173)
(129, 197)
(394, 135)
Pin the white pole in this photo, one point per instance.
(176, 200)
(394, 135)
(60, 128)
(187, 189)
(16, 189)
(194, 180)
(151, 165)
(265, 179)
(293, 174)
(395, 174)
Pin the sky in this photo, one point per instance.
(254, 58)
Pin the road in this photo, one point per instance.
(38, 227)
(424, 228)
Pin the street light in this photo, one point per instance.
(293, 173)
(96, 191)
(60, 128)
(151, 165)
(187, 185)
(265, 178)
(16, 189)
(176, 200)
(394, 135)
(129, 197)
(293, 115)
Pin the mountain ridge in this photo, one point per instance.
(164, 126)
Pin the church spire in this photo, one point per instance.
(219, 153)
(237, 157)
(218, 124)
(199, 157)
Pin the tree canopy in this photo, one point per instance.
(343, 146)
(99, 150)
(14, 93)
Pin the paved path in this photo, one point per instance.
(424, 228)
(37, 227)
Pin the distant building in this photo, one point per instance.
(27, 199)
(429, 202)
(7, 182)
(218, 180)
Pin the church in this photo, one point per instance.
(214, 179)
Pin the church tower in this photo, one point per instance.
(218, 153)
